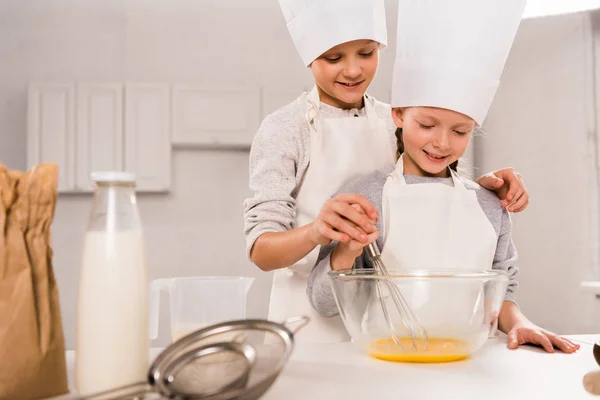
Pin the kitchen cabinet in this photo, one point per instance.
(148, 135)
(215, 117)
(51, 129)
(91, 126)
(99, 131)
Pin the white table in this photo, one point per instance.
(341, 371)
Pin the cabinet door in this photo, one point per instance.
(99, 130)
(147, 135)
(51, 129)
(215, 117)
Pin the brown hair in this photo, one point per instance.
(400, 149)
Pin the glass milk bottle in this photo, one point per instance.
(112, 307)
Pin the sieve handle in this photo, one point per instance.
(302, 320)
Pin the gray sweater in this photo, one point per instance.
(319, 289)
(279, 158)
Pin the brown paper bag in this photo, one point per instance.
(32, 350)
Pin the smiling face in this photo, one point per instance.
(344, 72)
(433, 138)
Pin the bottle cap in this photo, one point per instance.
(113, 176)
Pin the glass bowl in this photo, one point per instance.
(458, 310)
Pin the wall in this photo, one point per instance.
(542, 123)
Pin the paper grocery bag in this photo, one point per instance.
(32, 351)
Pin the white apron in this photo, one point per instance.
(340, 149)
(434, 226)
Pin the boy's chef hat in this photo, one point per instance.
(450, 54)
(318, 25)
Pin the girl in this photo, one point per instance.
(431, 215)
(340, 132)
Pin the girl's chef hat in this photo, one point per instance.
(450, 54)
(318, 25)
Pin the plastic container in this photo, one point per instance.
(197, 302)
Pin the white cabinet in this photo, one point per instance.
(51, 129)
(94, 126)
(99, 131)
(225, 117)
(215, 117)
(148, 139)
(98, 127)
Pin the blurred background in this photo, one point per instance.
(175, 91)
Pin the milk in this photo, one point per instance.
(112, 313)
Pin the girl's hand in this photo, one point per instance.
(345, 254)
(509, 186)
(527, 332)
(339, 220)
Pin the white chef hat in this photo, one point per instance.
(450, 54)
(318, 25)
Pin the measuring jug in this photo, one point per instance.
(197, 302)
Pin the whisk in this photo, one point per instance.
(410, 321)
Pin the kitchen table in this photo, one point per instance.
(341, 371)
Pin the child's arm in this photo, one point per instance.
(510, 320)
(276, 160)
(275, 156)
(334, 257)
(319, 291)
(343, 256)
(521, 330)
(336, 221)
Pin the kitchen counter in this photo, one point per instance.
(341, 371)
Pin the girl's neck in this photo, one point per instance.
(410, 167)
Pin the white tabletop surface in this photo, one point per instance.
(342, 371)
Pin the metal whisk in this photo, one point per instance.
(415, 330)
